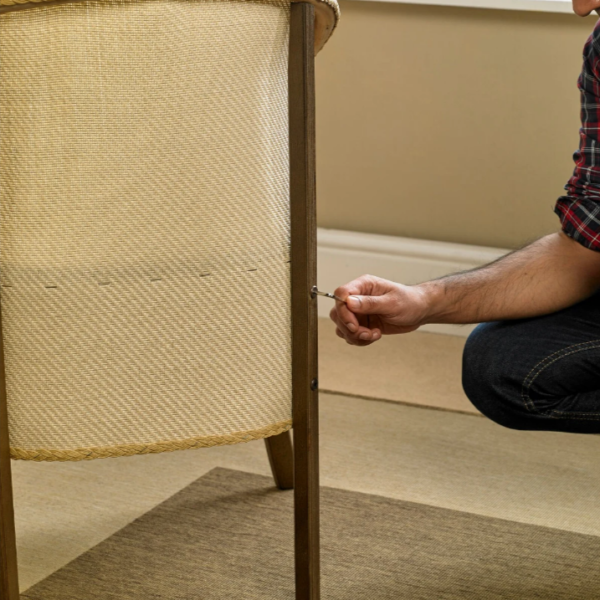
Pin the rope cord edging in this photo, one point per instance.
(77, 454)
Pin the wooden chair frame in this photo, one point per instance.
(297, 467)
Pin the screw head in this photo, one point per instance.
(314, 385)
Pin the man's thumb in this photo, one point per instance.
(366, 305)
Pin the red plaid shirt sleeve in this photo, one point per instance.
(579, 210)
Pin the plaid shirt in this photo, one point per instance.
(579, 210)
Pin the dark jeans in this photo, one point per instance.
(541, 373)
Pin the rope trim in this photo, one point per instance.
(76, 454)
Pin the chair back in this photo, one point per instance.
(144, 224)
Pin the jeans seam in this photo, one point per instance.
(526, 385)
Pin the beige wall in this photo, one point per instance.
(448, 124)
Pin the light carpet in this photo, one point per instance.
(422, 369)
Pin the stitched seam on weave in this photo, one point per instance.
(568, 351)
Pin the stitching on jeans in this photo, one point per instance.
(525, 397)
(557, 414)
(569, 350)
(560, 352)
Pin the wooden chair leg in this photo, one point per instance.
(304, 306)
(281, 457)
(9, 582)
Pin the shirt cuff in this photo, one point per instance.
(580, 220)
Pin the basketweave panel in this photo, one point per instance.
(144, 225)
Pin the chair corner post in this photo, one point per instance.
(305, 395)
(9, 581)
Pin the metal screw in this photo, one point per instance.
(314, 292)
(314, 385)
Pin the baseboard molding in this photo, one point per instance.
(346, 255)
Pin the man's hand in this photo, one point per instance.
(375, 307)
(548, 275)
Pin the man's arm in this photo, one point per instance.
(548, 275)
(557, 270)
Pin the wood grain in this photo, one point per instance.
(281, 459)
(304, 306)
(9, 581)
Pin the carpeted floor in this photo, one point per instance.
(422, 369)
(409, 454)
(229, 534)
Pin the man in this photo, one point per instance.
(533, 362)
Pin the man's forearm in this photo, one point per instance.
(548, 275)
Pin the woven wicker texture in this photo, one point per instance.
(144, 225)
(327, 14)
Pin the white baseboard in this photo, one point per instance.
(346, 255)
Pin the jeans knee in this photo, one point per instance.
(486, 376)
(476, 363)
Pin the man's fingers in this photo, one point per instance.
(369, 335)
(364, 296)
(346, 328)
(365, 284)
(362, 336)
(347, 317)
(367, 305)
